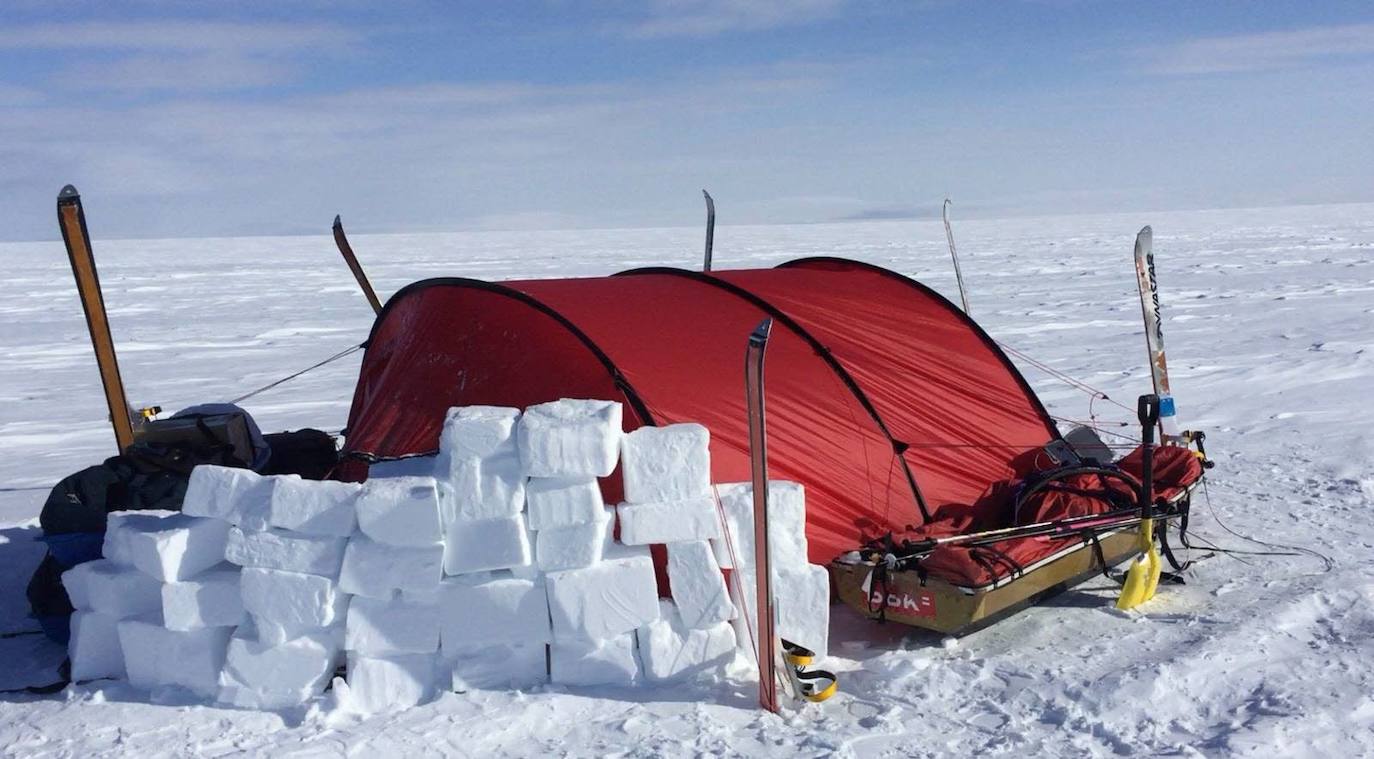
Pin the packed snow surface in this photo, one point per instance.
(1269, 321)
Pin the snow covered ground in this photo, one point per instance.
(1269, 317)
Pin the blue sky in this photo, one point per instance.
(204, 118)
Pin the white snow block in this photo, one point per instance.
(668, 521)
(570, 438)
(400, 625)
(77, 582)
(563, 501)
(210, 599)
(118, 526)
(377, 684)
(312, 507)
(378, 570)
(670, 650)
(119, 592)
(498, 667)
(287, 604)
(786, 523)
(483, 489)
(490, 610)
(155, 656)
(803, 599)
(237, 496)
(486, 544)
(400, 511)
(602, 601)
(572, 547)
(94, 648)
(697, 585)
(802, 595)
(671, 463)
(177, 547)
(262, 675)
(285, 551)
(476, 432)
(614, 661)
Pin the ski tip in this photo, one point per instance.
(1146, 232)
(68, 193)
(337, 221)
(947, 204)
(761, 332)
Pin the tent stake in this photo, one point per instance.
(353, 265)
(710, 229)
(949, 235)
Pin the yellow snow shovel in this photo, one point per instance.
(1143, 577)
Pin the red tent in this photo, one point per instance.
(885, 400)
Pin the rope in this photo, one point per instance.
(1071, 381)
(1101, 427)
(1328, 563)
(736, 572)
(288, 378)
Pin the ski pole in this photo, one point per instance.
(949, 236)
(1110, 520)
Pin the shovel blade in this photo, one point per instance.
(1142, 579)
(1155, 569)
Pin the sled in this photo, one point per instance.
(1076, 551)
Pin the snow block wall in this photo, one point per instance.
(492, 565)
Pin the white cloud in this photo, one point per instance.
(175, 72)
(704, 18)
(1261, 52)
(182, 36)
(14, 95)
(176, 56)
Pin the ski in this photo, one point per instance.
(72, 220)
(347, 250)
(710, 229)
(1154, 333)
(769, 651)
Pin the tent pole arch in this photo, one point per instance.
(898, 446)
(632, 396)
(977, 329)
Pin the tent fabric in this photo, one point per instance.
(882, 396)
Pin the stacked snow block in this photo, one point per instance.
(494, 630)
(484, 491)
(668, 500)
(393, 567)
(151, 611)
(286, 539)
(598, 594)
(492, 625)
(565, 446)
(491, 565)
(801, 590)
